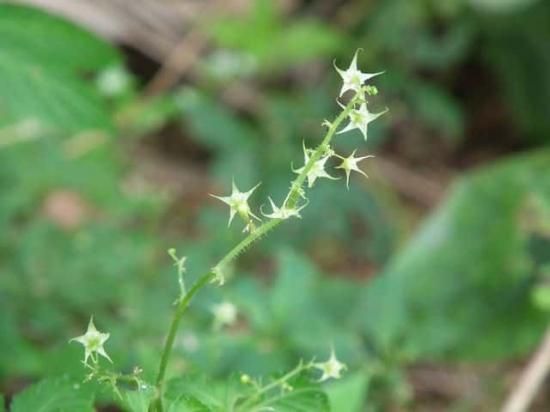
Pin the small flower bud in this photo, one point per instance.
(285, 386)
(326, 124)
(225, 314)
(371, 90)
(219, 276)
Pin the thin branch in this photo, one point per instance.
(531, 379)
(179, 61)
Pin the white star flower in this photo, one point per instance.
(360, 119)
(238, 203)
(351, 163)
(352, 77)
(225, 313)
(332, 368)
(93, 342)
(283, 212)
(318, 169)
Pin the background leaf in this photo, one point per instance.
(348, 394)
(53, 395)
(42, 71)
(474, 242)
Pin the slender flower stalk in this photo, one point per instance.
(225, 313)
(293, 197)
(314, 168)
(282, 382)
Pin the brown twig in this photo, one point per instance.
(531, 379)
(183, 56)
(181, 59)
(423, 190)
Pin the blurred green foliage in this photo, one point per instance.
(41, 68)
(470, 270)
(471, 284)
(273, 41)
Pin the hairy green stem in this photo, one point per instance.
(182, 306)
(291, 201)
(296, 371)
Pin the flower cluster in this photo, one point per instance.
(355, 111)
(315, 160)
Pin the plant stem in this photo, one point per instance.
(291, 200)
(297, 370)
(169, 343)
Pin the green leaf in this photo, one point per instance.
(53, 395)
(33, 35)
(438, 109)
(301, 399)
(42, 70)
(349, 393)
(462, 288)
(138, 401)
(521, 63)
(198, 394)
(292, 293)
(541, 297)
(221, 130)
(187, 403)
(276, 42)
(305, 40)
(58, 100)
(2, 404)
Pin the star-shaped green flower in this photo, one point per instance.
(351, 163)
(283, 212)
(93, 342)
(317, 170)
(238, 204)
(332, 368)
(352, 77)
(360, 119)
